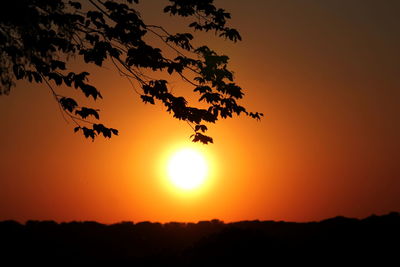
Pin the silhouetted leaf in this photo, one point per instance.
(90, 90)
(256, 115)
(182, 40)
(201, 127)
(85, 112)
(88, 132)
(203, 89)
(68, 103)
(114, 131)
(58, 79)
(198, 137)
(147, 99)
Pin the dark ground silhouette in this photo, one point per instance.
(336, 241)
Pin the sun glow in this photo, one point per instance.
(187, 169)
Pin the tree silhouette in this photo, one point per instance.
(38, 37)
(335, 241)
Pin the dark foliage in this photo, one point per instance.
(38, 37)
(338, 241)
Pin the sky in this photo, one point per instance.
(325, 75)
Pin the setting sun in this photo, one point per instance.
(187, 169)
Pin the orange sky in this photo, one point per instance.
(324, 73)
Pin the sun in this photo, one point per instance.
(187, 169)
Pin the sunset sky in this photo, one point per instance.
(324, 73)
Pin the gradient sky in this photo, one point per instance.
(324, 73)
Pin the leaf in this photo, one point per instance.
(90, 90)
(147, 99)
(170, 69)
(58, 79)
(181, 39)
(202, 89)
(88, 132)
(256, 115)
(114, 131)
(231, 34)
(234, 90)
(198, 137)
(107, 132)
(201, 127)
(68, 103)
(85, 112)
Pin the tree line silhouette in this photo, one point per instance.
(339, 240)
